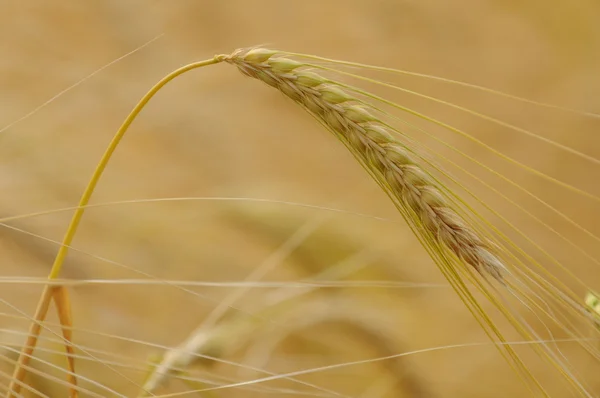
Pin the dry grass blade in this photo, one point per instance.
(63, 306)
(27, 351)
(349, 364)
(77, 83)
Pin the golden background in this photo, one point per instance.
(214, 133)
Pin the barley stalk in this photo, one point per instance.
(395, 168)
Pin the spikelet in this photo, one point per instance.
(395, 168)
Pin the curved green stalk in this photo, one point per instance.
(59, 293)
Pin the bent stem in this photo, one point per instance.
(59, 293)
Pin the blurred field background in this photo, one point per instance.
(214, 133)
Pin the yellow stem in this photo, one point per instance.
(48, 293)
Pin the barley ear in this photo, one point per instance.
(395, 168)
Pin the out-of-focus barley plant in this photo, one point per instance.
(431, 230)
